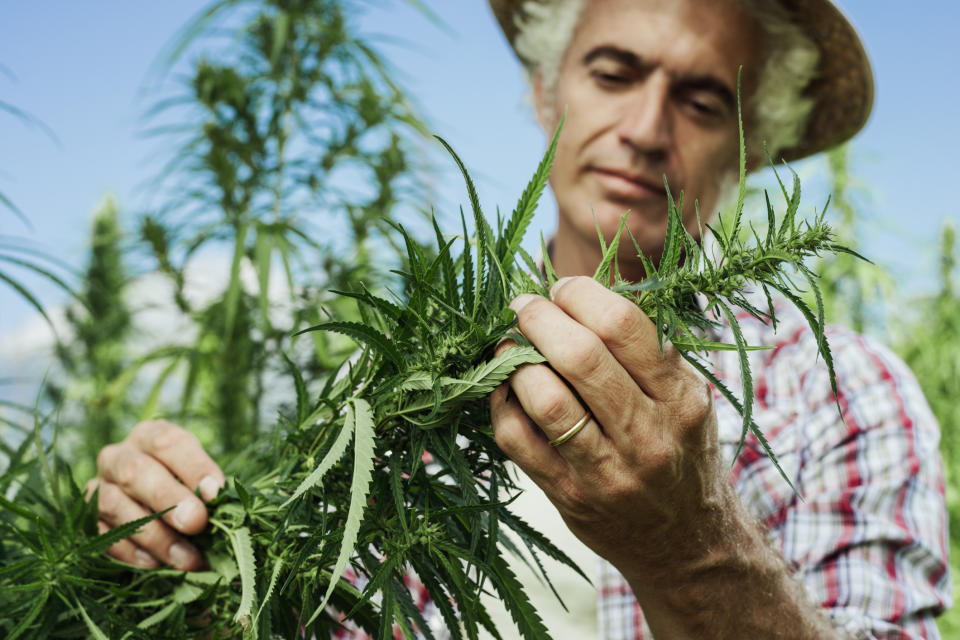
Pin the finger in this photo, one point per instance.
(152, 484)
(627, 332)
(553, 407)
(552, 414)
(581, 358)
(155, 537)
(182, 453)
(127, 551)
(523, 442)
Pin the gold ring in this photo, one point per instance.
(572, 431)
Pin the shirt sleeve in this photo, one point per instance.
(869, 538)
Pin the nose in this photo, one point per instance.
(644, 124)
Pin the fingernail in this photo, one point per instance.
(209, 487)
(143, 559)
(559, 283)
(181, 555)
(184, 514)
(521, 301)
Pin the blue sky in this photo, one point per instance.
(82, 67)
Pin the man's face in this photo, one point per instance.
(649, 88)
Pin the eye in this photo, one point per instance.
(610, 79)
(704, 105)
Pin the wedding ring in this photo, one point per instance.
(572, 431)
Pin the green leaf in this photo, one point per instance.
(363, 460)
(745, 375)
(602, 273)
(24, 622)
(516, 601)
(246, 561)
(333, 456)
(522, 214)
(274, 575)
(92, 627)
(159, 616)
(363, 334)
(106, 540)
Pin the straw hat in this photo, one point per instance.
(842, 90)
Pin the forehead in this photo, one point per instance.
(704, 37)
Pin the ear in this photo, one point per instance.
(543, 103)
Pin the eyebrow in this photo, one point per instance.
(689, 82)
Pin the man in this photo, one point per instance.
(640, 463)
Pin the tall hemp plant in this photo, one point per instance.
(276, 132)
(854, 291)
(341, 487)
(930, 344)
(96, 351)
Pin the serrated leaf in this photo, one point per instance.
(483, 379)
(516, 602)
(363, 459)
(160, 615)
(243, 552)
(745, 375)
(527, 205)
(274, 575)
(92, 627)
(106, 540)
(24, 623)
(363, 334)
(333, 456)
(417, 381)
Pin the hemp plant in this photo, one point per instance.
(928, 340)
(97, 350)
(392, 467)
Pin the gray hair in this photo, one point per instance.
(780, 109)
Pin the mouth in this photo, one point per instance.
(626, 185)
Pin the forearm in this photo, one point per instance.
(735, 585)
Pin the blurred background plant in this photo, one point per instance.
(929, 342)
(296, 150)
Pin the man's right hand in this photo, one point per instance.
(159, 465)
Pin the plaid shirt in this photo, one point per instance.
(869, 539)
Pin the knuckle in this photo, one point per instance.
(696, 405)
(619, 323)
(572, 289)
(126, 469)
(506, 438)
(108, 500)
(531, 312)
(551, 407)
(106, 456)
(583, 356)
